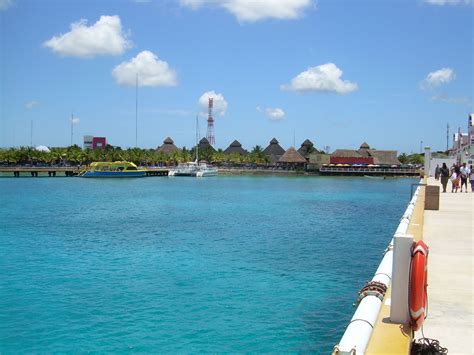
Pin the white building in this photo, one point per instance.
(463, 144)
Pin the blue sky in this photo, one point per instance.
(391, 72)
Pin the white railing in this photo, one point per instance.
(356, 337)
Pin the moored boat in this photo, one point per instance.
(116, 169)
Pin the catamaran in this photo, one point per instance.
(194, 168)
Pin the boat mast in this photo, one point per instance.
(197, 140)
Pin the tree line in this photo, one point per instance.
(75, 155)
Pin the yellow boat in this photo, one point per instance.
(116, 169)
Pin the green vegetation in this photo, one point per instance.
(411, 159)
(74, 155)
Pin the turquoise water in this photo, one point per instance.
(226, 264)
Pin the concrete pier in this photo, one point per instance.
(449, 234)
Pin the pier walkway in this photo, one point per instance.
(449, 234)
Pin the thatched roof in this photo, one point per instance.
(235, 147)
(168, 146)
(306, 148)
(204, 144)
(274, 149)
(346, 153)
(381, 157)
(292, 156)
(385, 157)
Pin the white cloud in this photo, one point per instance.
(448, 2)
(219, 103)
(5, 4)
(274, 114)
(437, 78)
(105, 37)
(255, 10)
(325, 77)
(150, 69)
(30, 105)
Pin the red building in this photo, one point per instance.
(99, 143)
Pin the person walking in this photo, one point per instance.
(444, 173)
(437, 172)
(465, 171)
(471, 178)
(455, 179)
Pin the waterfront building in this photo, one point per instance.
(235, 147)
(364, 155)
(292, 159)
(87, 142)
(99, 143)
(317, 160)
(463, 144)
(274, 151)
(168, 147)
(307, 147)
(91, 142)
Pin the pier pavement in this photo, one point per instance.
(449, 234)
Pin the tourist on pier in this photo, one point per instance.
(455, 179)
(437, 172)
(444, 173)
(465, 171)
(471, 178)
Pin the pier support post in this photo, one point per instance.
(402, 244)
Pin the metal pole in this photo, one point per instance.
(136, 111)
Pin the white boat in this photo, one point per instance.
(194, 168)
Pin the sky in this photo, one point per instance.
(392, 73)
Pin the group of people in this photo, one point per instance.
(459, 175)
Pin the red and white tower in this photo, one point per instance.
(210, 124)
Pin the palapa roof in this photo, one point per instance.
(346, 153)
(381, 157)
(168, 146)
(235, 147)
(204, 144)
(274, 149)
(292, 156)
(385, 157)
(306, 148)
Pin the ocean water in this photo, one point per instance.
(225, 264)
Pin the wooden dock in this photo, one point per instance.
(52, 171)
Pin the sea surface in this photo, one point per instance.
(222, 264)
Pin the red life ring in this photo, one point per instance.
(418, 284)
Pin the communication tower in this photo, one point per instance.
(210, 124)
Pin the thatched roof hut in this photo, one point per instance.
(365, 155)
(385, 157)
(307, 147)
(168, 146)
(274, 151)
(205, 145)
(235, 147)
(292, 157)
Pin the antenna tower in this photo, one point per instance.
(447, 137)
(210, 124)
